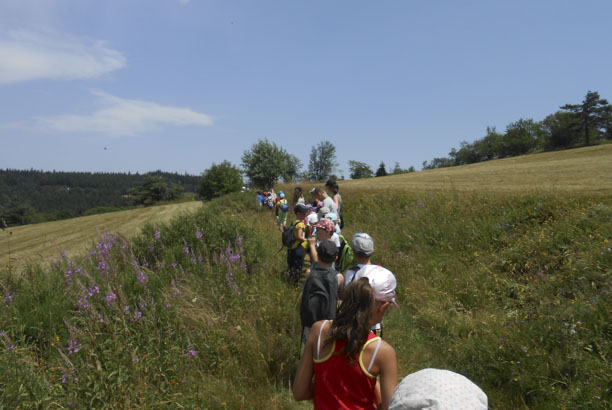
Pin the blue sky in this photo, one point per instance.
(141, 85)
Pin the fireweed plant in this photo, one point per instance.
(172, 317)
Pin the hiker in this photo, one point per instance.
(311, 219)
(296, 252)
(334, 189)
(298, 197)
(345, 358)
(320, 295)
(324, 232)
(363, 248)
(259, 199)
(320, 194)
(282, 211)
(378, 274)
(336, 221)
(437, 389)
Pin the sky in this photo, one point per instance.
(177, 85)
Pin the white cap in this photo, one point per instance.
(437, 390)
(382, 281)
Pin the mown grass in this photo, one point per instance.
(21, 245)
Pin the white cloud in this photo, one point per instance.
(122, 117)
(29, 55)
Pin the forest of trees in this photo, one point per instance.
(38, 196)
(572, 126)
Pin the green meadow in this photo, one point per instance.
(504, 275)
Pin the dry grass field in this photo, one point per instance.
(42, 242)
(585, 170)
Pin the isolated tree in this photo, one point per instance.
(360, 170)
(381, 171)
(322, 161)
(591, 113)
(153, 190)
(265, 163)
(220, 180)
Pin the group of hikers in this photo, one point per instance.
(346, 364)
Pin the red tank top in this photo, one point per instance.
(340, 385)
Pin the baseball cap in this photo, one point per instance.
(382, 281)
(363, 244)
(332, 216)
(325, 224)
(327, 250)
(437, 389)
(301, 208)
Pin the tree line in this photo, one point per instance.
(571, 126)
(31, 196)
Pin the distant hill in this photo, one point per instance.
(58, 195)
(586, 170)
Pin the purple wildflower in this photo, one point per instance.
(234, 257)
(125, 245)
(110, 298)
(142, 278)
(64, 379)
(68, 275)
(175, 292)
(193, 260)
(83, 302)
(11, 347)
(191, 352)
(7, 299)
(174, 265)
(135, 359)
(137, 315)
(157, 234)
(102, 267)
(126, 308)
(186, 250)
(198, 234)
(239, 240)
(73, 346)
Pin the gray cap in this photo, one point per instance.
(327, 250)
(363, 244)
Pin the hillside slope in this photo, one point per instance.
(71, 236)
(585, 170)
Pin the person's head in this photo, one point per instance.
(318, 193)
(384, 283)
(363, 246)
(281, 194)
(300, 211)
(437, 389)
(325, 228)
(327, 251)
(354, 318)
(332, 186)
(322, 212)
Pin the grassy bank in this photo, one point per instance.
(512, 291)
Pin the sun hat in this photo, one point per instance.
(301, 208)
(437, 389)
(327, 250)
(325, 224)
(363, 244)
(281, 194)
(382, 281)
(322, 211)
(332, 216)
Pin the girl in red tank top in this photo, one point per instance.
(343, 358)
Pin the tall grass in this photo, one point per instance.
(512, 291)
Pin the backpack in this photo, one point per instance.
(270, 202)
(320, 297)
(345, 255)
(288, 235)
